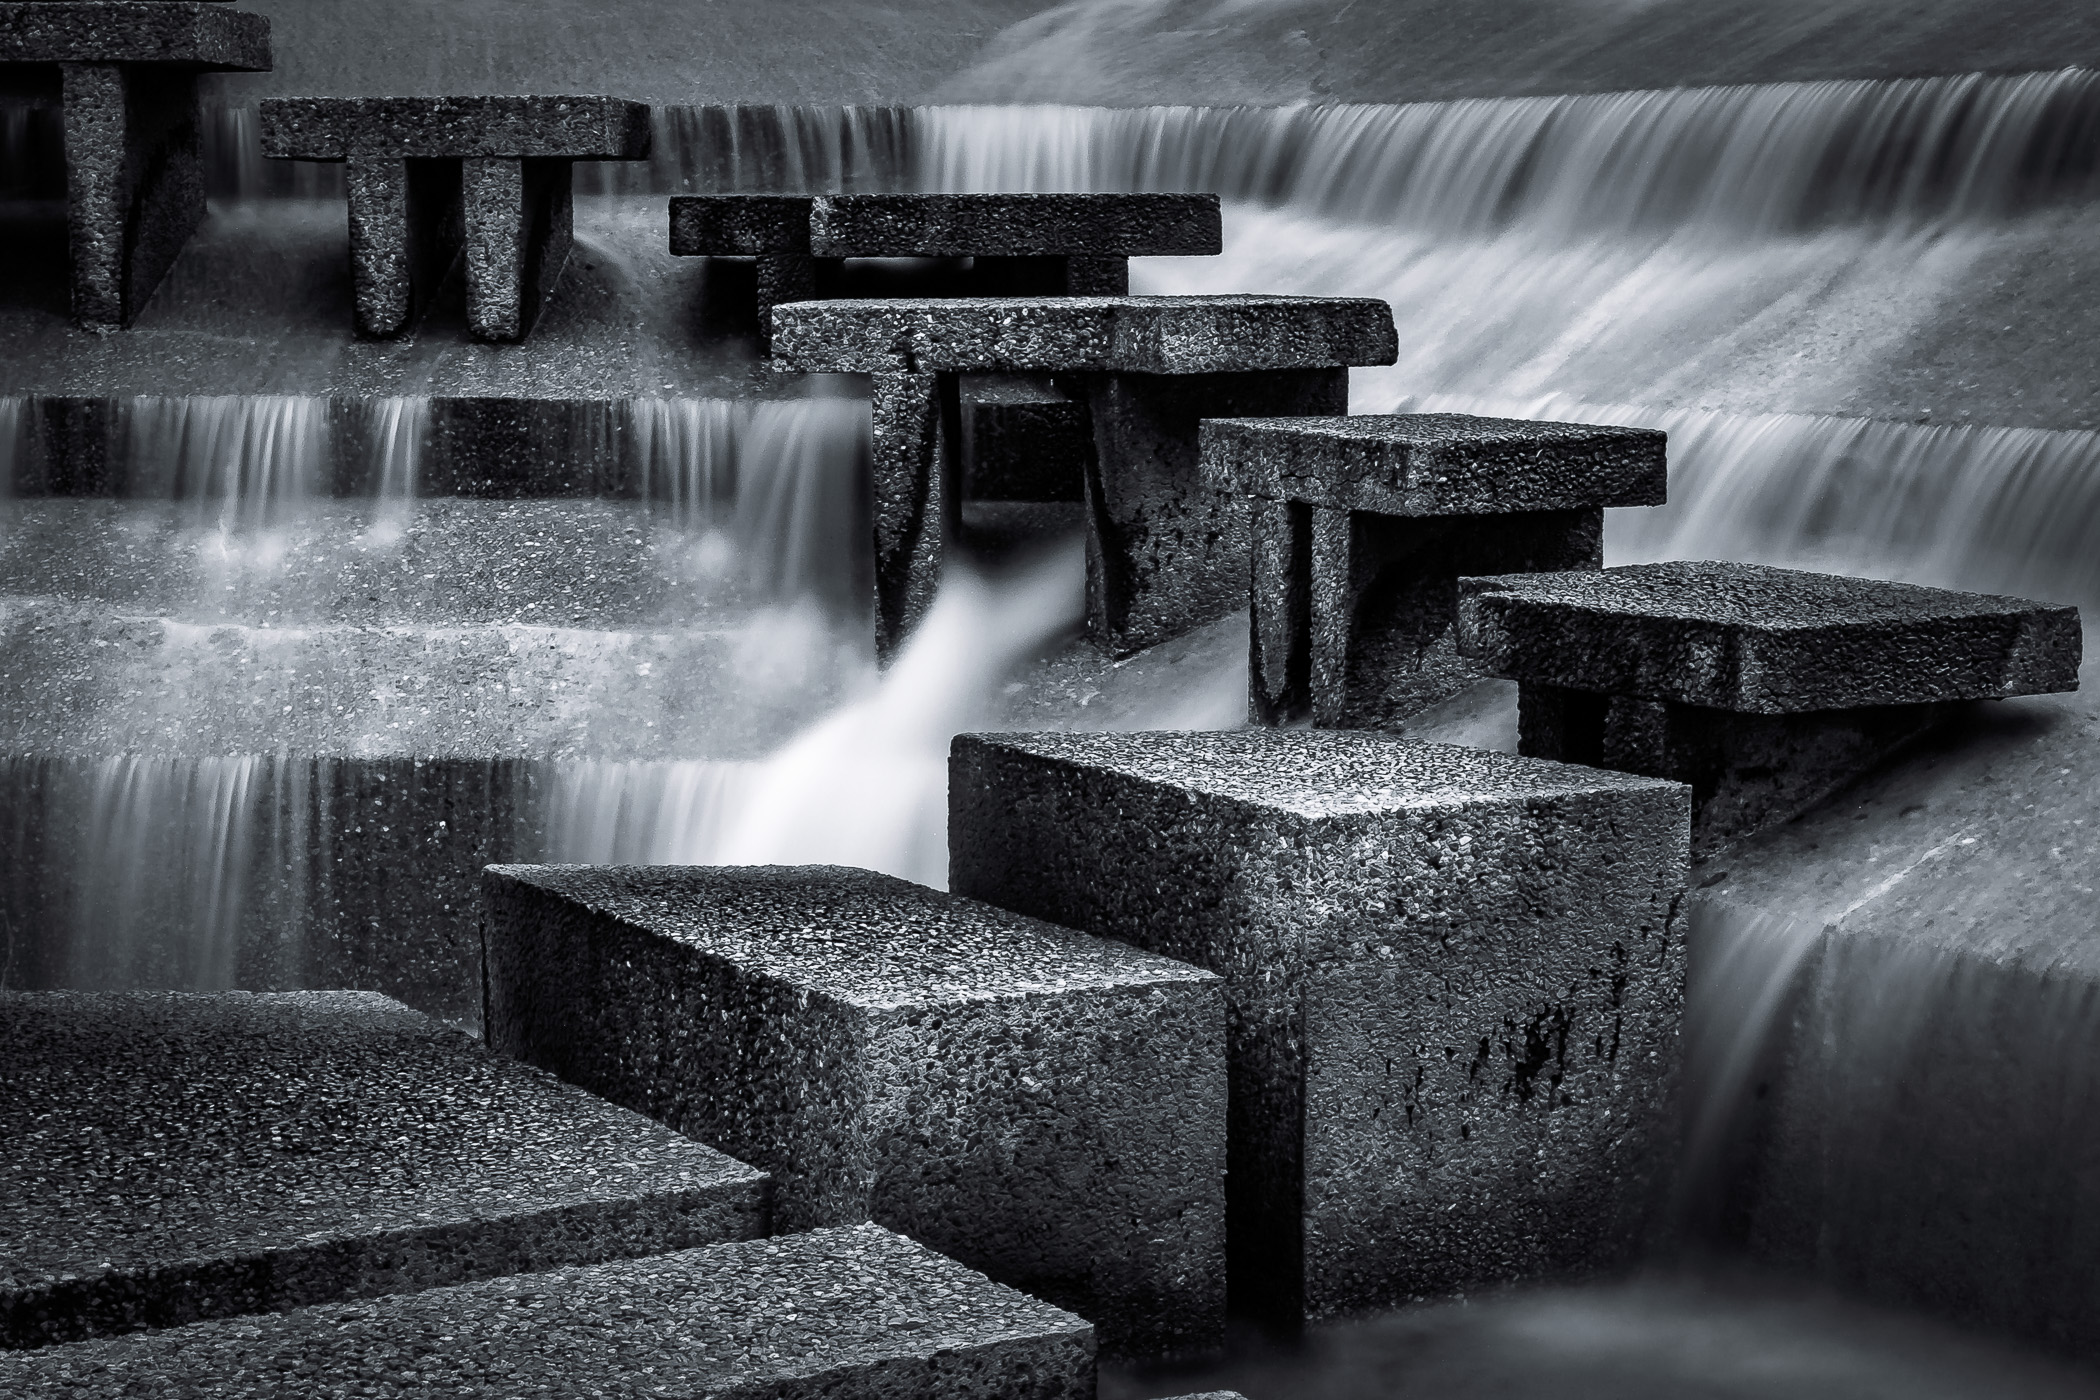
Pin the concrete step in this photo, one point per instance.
(1765, 689)
(173, 1158)
(1036, 1103)
(833, 1314)
(1455, 977)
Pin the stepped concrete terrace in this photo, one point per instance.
(1765, 689)
(1020, 244)
(847, 1314)
(173, 1158)
(1455, 980)
(434, 179)
(1362, 526)
(1040, 1104)
(125, 77)
(1165, 552)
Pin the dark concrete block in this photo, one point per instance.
(453, 128)
(1023, 439)
(1167, 551)
(1111, 335)
(1760, 640)
(1036, 1103)
(406, 228)
(856, 1314)
(1354, 612)
(178, 1157)
(194, 36)
(1764, 689)
(1455, 981)
(739, 225)
(517, 224)
(1437, 464)
(1015, 225)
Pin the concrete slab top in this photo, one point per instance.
(1318, 774)
(1761, 640)
(1015, 225)
(792, 1316)
(739, 225)
(570, 128)
(1436, 463)
(155, 1129)
(122, 31)
(1113, 335)
(863, 938)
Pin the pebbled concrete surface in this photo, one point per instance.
(1036, 1103)
(168, 31)
(1436, 463)
(1116, 335)
(333, 128)
(1454, 980)
(1760, 640)
(1015, 225)
(174, 1157)
(853, 1314)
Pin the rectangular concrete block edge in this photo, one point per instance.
(564, 127)
(1011, 225)
(173, 32)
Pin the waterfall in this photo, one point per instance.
(249, 459)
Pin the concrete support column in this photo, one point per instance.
(916, 432)
(404, 237)
(134, 183)
(517, 230)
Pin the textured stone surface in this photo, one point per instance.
(176, 1157)
(1436, 463)
(1043, 1105)
(516, 225)
(405, 234)
(567, 128)
(1014, 225)
(855, 1314)
(1455, 981)
(739, 225)
(104, 31)
(1355, 612)
(1120, 335)
(1760, 640)
(913, 440)
(1023, 439)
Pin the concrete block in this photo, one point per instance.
(195, 36)
(1023, 439)
(432, 176)
(1166, 551)
(739, 225)
(1363, 526)
(175, 1157)
(1437, 464)
(1455, 980)
(1039, 1104)
(1765, 689)
(1108, 335)
(852, 1314)
(128, 109)
(1015, 225)
(454, 128)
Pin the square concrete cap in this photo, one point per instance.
(739, 225)
(832, 1313)
(1435, 463)
(173, 1157)
(174, 32)
(1112, 335)
(568, 128)
(1760, 640)
(1015, 225)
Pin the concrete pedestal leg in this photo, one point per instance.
(404, 236)
(916, 427)
(1165, 551)
(517, 231)
(782, 277)
(1355, 611)
(134, 183)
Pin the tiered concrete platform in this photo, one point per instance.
(1043, 1105)
(1165, 551)
(125, 77)
(1455, 978)
(828, 1315)
(1362, 526)
(1019, 244)
(430, 177)
(172, 1158)
(1764, 689)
